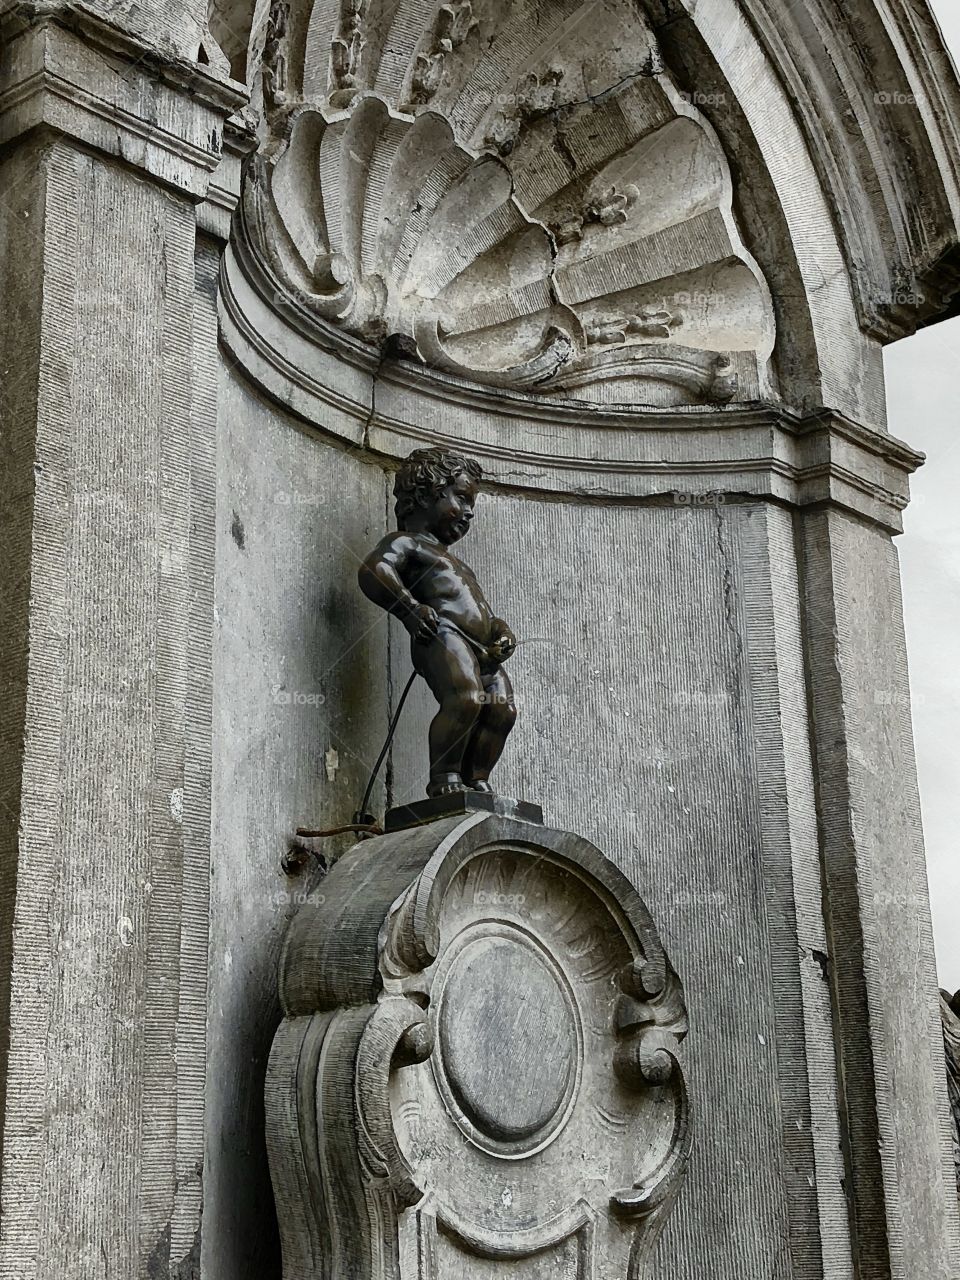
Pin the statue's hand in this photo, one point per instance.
(505, 643)
(423, 623)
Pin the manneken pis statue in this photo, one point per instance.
(457, 643)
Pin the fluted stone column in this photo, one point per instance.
(108, 343)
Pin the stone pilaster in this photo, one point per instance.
(889, 1042)
(108, 355)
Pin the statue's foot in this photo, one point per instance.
(481, 784)
(445, 784)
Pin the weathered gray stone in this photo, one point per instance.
(651, 295)
(107, 934)
(109, 369)
(477, 1069)
(297, 722)
(164, 117)
(733, 700)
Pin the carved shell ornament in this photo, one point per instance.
(511, 199)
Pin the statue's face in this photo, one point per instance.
(452, 510)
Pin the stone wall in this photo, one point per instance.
(677, 630)
(104, 470)
(689, 520)
(300, 708)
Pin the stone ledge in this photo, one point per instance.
(74, 74)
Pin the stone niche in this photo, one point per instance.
(477, 1070)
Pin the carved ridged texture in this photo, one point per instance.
(529, 207)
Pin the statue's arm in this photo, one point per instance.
(381, 580)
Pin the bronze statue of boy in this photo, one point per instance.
(457, 642)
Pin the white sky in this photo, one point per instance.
(922, 389)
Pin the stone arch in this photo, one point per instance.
(623, 212)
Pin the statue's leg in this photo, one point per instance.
(494, 723)
(449, 666)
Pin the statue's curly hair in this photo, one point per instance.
(426, 473)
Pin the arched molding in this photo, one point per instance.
(892, 177)
(382, 408)
(669, 226)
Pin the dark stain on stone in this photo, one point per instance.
(188, 1268)
(397, 346)
(237, 531)
(158, 1264)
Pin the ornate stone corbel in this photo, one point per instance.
(347, 51)
(455, 22)
(274, 64)
(724, 382)
(478, 1062)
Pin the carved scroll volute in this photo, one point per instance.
(507, 1085)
